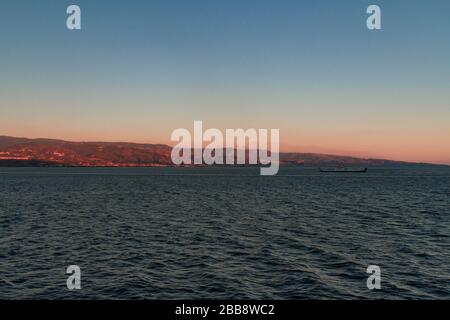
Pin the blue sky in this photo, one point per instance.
(139, 69)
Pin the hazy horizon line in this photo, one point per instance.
(336, 153)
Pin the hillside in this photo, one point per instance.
(48, 152)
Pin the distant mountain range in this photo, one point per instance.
(49, 152)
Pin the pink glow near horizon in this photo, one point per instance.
(432, 148)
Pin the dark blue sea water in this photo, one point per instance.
(187, 233)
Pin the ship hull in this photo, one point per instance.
(344, 170)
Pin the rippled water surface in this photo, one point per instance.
(165, 233)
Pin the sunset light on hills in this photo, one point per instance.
(330, 88)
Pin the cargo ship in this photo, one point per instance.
(344, 170)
